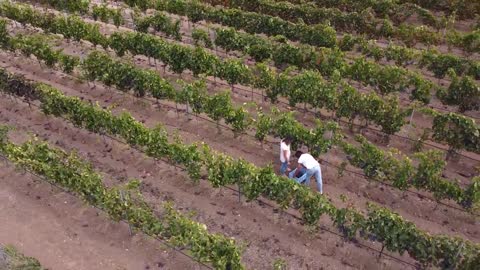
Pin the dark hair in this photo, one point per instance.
(287, 140)
(298, 153)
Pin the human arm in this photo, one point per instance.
(285, 155)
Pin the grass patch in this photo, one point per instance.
(12, 259)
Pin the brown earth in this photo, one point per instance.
(62, 233)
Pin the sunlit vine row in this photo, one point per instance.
(376, 163)
(121, 202)
(379, 224)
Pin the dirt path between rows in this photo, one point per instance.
(63, 233)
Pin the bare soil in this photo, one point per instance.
(62, 233)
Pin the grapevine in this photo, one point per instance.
(399, 236)
(71, 172)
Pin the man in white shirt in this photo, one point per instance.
(285, 154)
(310, 164)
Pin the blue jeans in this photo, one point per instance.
(307, 174)
(300, 179)
(283, 168)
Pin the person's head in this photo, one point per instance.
(298, 154)
(287, 140)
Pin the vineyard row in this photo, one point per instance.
(251, 22)
(305, 56)
(386, 166)
(121, 202)
(305, 87)
(379, 224)
(385, 80)
(263, 48)
(389, 8)
(363, 23)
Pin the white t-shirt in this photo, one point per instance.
(284, 147)
(308, 161)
